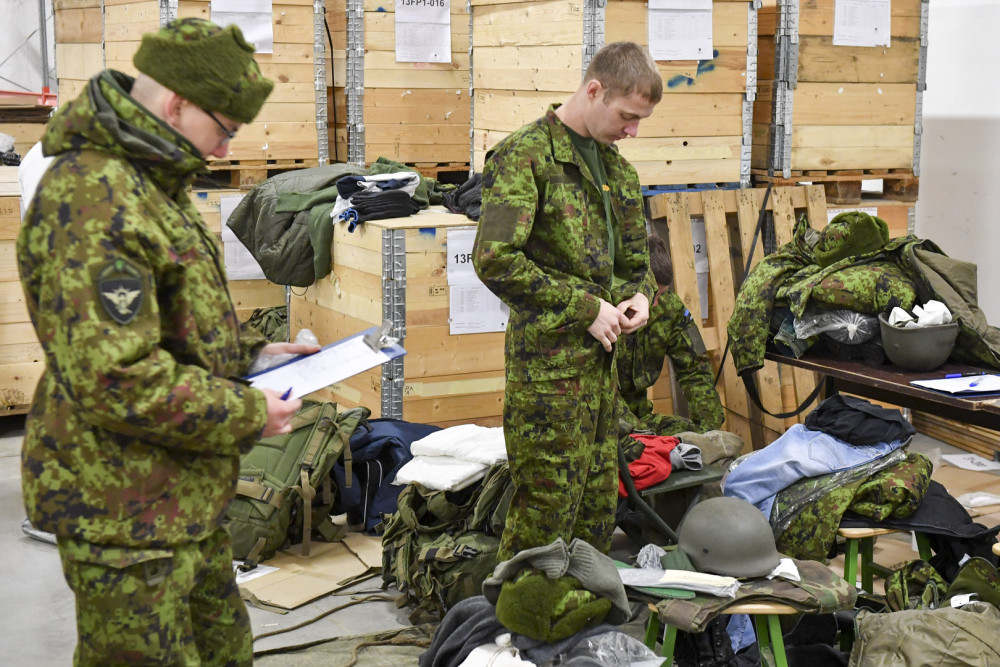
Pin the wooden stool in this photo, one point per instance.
(863, 539)
(765, 622)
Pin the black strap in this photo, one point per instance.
(634, 496)
(746, 270)
(748, 380)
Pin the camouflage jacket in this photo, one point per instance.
(137, 424)
(671, 332)
(790, 275)
(542, 247)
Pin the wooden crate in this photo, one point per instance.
(444, 379)
(25, 135)
(527, 55)
(79, 43)
(730, 218)
(286, 130)
(248, 295)
(21, 359)
(839, 114)
(414, 113)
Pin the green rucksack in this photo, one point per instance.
(440, 546)
(280, 476)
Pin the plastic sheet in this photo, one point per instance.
(615, 649)
(843, 326)
(265, 361)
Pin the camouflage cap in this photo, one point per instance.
(850, 233)
(211, 66)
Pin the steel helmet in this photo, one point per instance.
(918, 348)
(728, 536)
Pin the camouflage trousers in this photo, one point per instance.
(178, 606)
(561, 446)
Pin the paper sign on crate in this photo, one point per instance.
(423, 31)
(472, 307)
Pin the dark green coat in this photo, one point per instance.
(138, 421)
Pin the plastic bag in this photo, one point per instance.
(265, 361)
(843, 326)
(615, 649)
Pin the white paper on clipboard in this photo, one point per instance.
(335, 362)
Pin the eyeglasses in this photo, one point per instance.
(230, 134)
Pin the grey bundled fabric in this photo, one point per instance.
(595, 571)
(685, 457)
(469, 624)
(291, 238)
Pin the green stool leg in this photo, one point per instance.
(867, 558)
(851, 562)
(777, 641)
(652, 630)
(669, 638)
(923, 546)
(763, 635)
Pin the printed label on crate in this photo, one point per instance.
(423, 31)
(240, 264)
(253, 18)
(680, 29)
(472, 308)
(861, 23)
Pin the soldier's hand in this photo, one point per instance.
(608, 325)
(636, 311)
(274, 349)
(279, 413)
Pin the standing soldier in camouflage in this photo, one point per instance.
(671, 332)
(132, 445)
(562, 240)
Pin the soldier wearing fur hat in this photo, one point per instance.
(132, 445)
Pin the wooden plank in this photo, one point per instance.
(403, 106)
(78, 61)
(547, 68)
(854, 104)
(78, 25)
(820, 60)
(626, 20)
(723, 293)
(541, 24)
(17, 383)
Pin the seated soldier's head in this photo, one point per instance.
(660, 265)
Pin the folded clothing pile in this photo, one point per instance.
(453, 458)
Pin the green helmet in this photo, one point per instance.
(918, 348)
(728, 536)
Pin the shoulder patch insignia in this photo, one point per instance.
(119, 286)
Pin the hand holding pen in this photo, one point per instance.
(280, 410)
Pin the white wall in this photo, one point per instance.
(959, 204)
(20, 46)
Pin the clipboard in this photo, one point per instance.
(965, 385)
(333, 363)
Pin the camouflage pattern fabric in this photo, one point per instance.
(563, 462)
(821, 591)
(671, 332)
(136, 427)
(870, 288)
(791, 276)
(890, 492)
(915, 585)
(176, 606)
(542, 246)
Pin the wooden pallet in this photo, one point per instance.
(245, 174)
(843, 186)
(730, 218)
(975, 439)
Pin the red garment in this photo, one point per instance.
(653, 466)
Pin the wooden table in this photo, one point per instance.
(891, 384)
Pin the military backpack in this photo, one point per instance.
(440, 546)
(284, 490)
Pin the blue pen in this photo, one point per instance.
(975, 382)
(288, 393)
(962, 375)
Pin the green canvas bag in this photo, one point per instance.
(284, 491)
(440, 546)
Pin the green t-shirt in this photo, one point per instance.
(590, 153)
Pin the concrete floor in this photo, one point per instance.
(38, 627)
